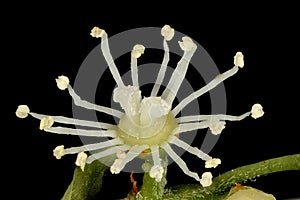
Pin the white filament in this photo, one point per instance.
(134, 152)
(162, 70)
(218, 117)
(134, 72)
(82, 132)
(179, 161)
(107, 152)
(155, 155)
(193, 150)
(178, 75)
(136, 52)
(190, 127)
(110, 61)
(212, 84)
(91, 106)
(96, 146)
(80, 122)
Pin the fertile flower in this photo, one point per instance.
(147, 124)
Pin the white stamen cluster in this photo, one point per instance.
(147, 124)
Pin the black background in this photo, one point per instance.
(41, 42)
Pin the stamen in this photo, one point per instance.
(59, 151)
(82, 132)
(190, 127)
(238, 59)
(212, 162)
(80, 161)
(193, 150)
(96, 146)
(168, 35)
(155, 155)
(46, 122)
(218, 117)
(80, 122)
(156, 170)
(179, 73)
(107, 152)
(117, 166)
(62, 82)
(167, 32)
(22, 111)
(216, 127)
(257, 111)
(179, 161)
(206, 179)
(212, 84)
(91, 106)
(133, 153)
(107, 55)
(136, 52)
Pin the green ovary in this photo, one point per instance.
(154, 134)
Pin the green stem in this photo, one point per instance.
(224, 182)
(252, 171)
(151, 189)
(85, 185)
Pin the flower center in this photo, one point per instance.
(146, 120)
(155, 133)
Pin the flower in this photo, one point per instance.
(22, 111)
(146, 124)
